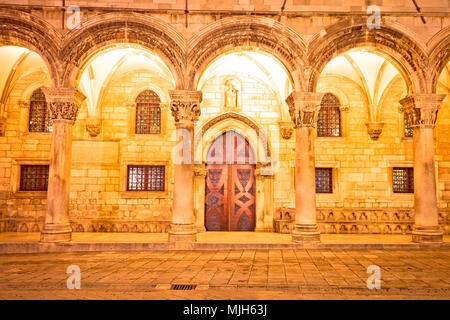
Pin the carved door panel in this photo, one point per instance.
(230, 185)
(242, 198)
(216, 202)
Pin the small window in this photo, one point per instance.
(146, 178)
(324, 180)
(407, 125)
(329, 121)
(39, 120)
(34, 177)
(148, 113)
(403, 180)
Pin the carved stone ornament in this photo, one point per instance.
(200, 170)
(63, 103)
(422, 109)
(93, 129)
(286, 130)
(375, 129)
(2, 127)
(304, 108)
(185, 105)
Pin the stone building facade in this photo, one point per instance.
(345, 124)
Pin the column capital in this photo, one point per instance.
(304, 108)
(422, 108)
(185, 105)
(63, 103)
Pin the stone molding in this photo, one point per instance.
(304, 108)
(422, 109)
(185, 105)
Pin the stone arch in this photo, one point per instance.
(108, 30)
(243, 125)
(25, 30)
(390, 41)
(251, 33)
(439, 53)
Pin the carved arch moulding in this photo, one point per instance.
(108, 30)
(408, 56)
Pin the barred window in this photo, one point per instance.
(39, 119)
(324, 180)
(34, 177)
(407, 125)
(403, 180)
(148, 113)
(329, 121)
(146, 178)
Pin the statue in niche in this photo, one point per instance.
(231, 95)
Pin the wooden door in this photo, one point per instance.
(230, 185)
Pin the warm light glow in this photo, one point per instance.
(17, 63)
(370, 71)
(98, 73)
(254, 64)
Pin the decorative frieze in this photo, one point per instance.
(63, 103)
(304, 108)
(185, 105)
(422, 109)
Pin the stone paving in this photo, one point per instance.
(231, 274)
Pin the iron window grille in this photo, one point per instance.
(148, 113)
(146, 178)
(34, 177)
(324, 180)
(329, 120)
(39, 119)
(403, 180)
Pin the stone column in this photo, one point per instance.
(63, 105)
(422, 110)
(304, 108)
(185, 107)
(199, 199)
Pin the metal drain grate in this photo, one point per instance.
(183, 287)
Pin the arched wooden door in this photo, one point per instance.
(230, 184)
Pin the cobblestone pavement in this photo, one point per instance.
(239, 274)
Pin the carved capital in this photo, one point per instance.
(185, 105)
(422, 109)
(304, 108)
(375, 129)
(63, 103)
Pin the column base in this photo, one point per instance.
(306, 233)
(56, 233)
(183, 233)
(427, 234)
